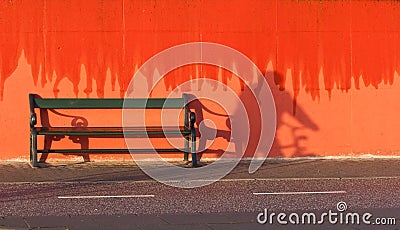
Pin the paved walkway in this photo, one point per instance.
(272, 169)
(92, 172)
(183, 221)
(219, 221)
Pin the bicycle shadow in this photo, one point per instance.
(285, 105)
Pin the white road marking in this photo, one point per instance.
(298, 193)
(94, 197)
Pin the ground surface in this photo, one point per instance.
(120, 196)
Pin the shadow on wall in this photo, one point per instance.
(77, 121)
(284, 106)
(206, 133)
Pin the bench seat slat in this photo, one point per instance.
(103, 131)
(73, 151)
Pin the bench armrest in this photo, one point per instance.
(192, 118)
(33, 120)
(32, 117)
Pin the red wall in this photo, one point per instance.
(332, 65)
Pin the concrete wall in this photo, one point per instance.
(332, 65)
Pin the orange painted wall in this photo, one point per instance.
(333, 66)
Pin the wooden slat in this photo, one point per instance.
(109, 103)
(71, 151)
(113, 131)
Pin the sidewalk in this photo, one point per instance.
(271, 169)
(206, 221)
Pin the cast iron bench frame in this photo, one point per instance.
(187, 130)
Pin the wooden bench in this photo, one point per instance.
(187, 130)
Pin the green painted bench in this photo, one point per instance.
(37, 103)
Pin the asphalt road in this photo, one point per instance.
(241, 195)
(231, 203)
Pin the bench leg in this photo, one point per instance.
(30, 147)
(33, 149)
(47, 144)
(193, 149)
(186, 154)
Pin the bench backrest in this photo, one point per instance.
(36, 101)
(108, 103)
